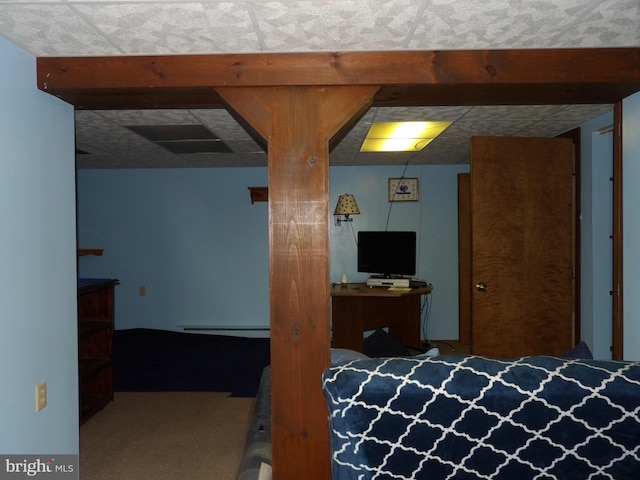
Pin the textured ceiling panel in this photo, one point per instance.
(133, 27)
(346, 25)
(172, 28)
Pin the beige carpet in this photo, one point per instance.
(165, 436)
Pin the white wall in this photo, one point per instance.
(38, 263)
(631, 222)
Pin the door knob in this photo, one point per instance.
(481, 287)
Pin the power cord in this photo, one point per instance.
(453, 348)
(354, 233)
(425, 311)
(386, 227)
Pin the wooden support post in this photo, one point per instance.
(298, 123)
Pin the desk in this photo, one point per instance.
(357, 308)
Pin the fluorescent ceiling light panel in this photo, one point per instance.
(401, 136)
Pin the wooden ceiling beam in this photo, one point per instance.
(500, 94)
(387, 96)
(136, 98)
(458, 77)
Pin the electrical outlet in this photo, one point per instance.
(41, 396)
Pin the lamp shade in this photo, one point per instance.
(346, 205)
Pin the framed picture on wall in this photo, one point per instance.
(403, 189)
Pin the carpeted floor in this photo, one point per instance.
(165, 436)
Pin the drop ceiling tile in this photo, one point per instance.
(221, 122)
(52, 29)
(196, 146)
(89, 119)
(214, 116)
(231, 132)
(240, 146)
(609, 22)
(355, 136)
(150, 117)
(510, 112)
(345, 25)
(121, 142)
(174, 27)
(358, 132)
(443, 158)
(170, 133)
(453, 24)
(496, 126)
(411, 114)
(547, 129)
(446, 151)
(580, 113)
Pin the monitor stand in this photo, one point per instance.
(377, 281)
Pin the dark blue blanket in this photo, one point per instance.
(147, 360)
(465, 417)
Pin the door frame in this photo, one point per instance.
(576, 136)
(617, 337)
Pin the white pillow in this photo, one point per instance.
(339, 355)
(265, 472)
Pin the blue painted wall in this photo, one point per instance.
(631, 219)
(434, 217)
(38, 257)
(193, 239)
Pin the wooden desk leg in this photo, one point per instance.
(406, 326)
(347, 325)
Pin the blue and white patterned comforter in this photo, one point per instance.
(467, 417)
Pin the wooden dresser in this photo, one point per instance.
(95, 344)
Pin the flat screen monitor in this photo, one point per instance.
(387, 254)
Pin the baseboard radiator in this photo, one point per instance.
(223, 328)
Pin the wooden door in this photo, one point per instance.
(522, 192)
